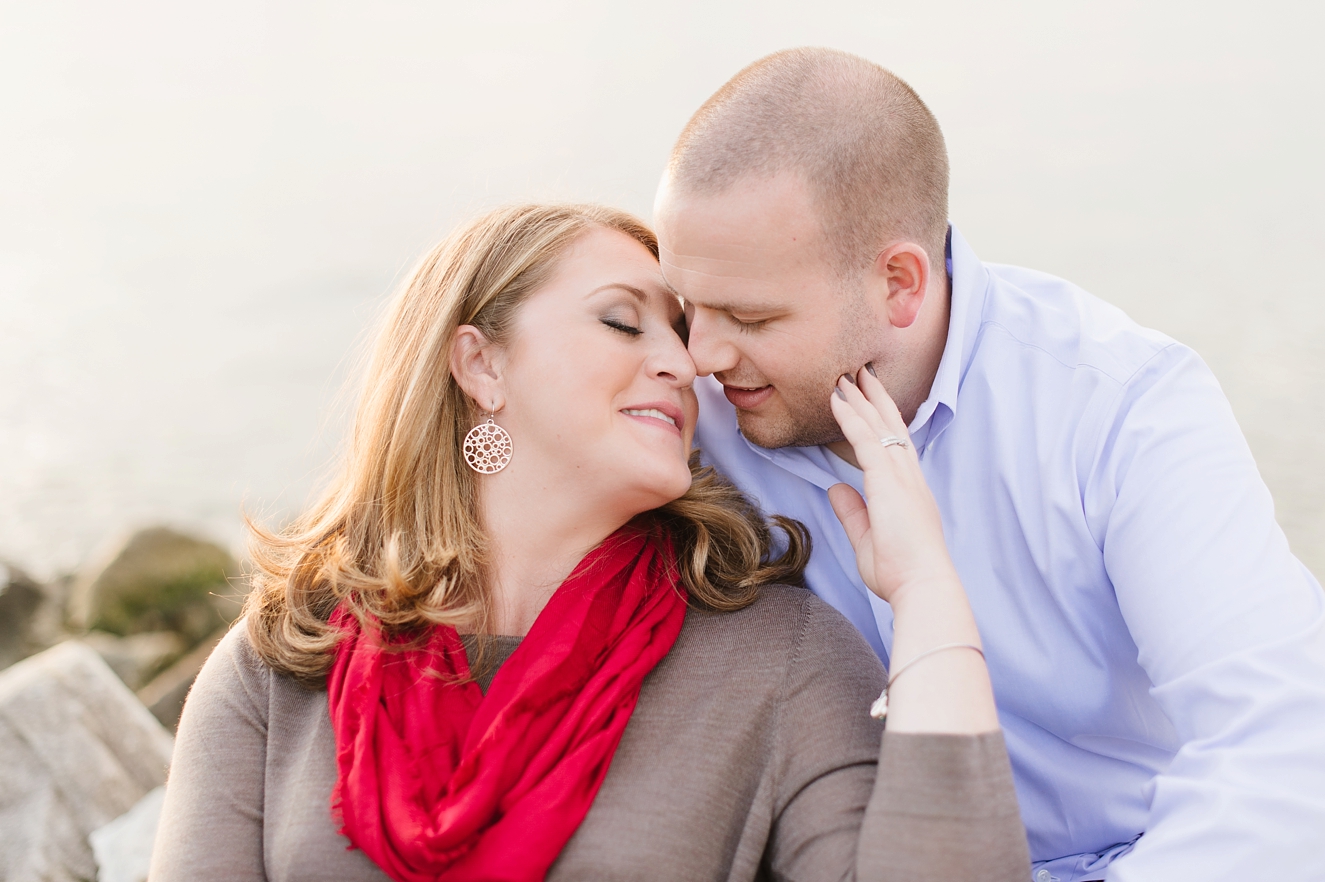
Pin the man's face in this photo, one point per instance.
(769, 316)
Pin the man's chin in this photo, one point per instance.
(772, 433)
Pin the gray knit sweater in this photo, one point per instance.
(750, 755)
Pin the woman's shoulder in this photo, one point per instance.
(784, 608)
(235, 658)
(787, 677)
(232, 673)
(235, 675)
(788, 624)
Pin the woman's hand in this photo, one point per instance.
(899, 538)
(903, 558)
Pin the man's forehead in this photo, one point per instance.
(744, 199)
(714, 260)
(726, 236)
(764, 279)
(740, 296)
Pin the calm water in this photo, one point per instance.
(201, 210)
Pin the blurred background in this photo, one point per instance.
(204, 206)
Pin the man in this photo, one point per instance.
(1157, 653)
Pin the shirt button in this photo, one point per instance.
(1044, 876)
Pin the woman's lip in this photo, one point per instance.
(654, 421)
(666, 407)
(747, 399)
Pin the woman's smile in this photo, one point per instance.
(662, 414)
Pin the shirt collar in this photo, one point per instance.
(968, 280)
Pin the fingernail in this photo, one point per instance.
(837, 390)
(869, 366)
(849, 378)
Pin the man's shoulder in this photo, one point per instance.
(1073, 329)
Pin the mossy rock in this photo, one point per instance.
(161, 580)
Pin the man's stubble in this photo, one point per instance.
(808, 420)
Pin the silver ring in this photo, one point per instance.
(891, 440)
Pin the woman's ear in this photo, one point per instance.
(476, 367)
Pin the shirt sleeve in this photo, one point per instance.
(1228, 625)
(212, 822)
(854, 805)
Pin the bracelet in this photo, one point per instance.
(879, 709)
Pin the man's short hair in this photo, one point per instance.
(868, 148)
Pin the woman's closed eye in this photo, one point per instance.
(624, 327)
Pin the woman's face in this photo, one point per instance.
(597, 380)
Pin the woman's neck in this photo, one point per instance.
(536, 540)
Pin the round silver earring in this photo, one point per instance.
(488, 447)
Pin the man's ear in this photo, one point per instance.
(475, 365)
(902, 273)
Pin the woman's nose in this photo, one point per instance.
(673, 363)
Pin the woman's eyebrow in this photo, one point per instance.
(644, 297)
(638, 292)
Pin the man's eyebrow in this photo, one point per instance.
(741, 308)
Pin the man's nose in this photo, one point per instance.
(707, 344)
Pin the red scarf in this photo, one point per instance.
(438, 781)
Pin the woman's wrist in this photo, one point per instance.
(932, 612)
(923, 591)
(937, 644)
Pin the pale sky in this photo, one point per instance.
(202, 206)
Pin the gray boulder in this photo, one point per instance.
(159, 580)
(77, 750)
(138, 658)
(123, 848)
(21, 600)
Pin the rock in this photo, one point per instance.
(50, 625)
(20, 602)
(138, 658)
(160, 580)
(77, 750)
(123, 848)
(165, 695)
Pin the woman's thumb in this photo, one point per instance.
(851, 511)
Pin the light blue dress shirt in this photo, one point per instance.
(1157, 653)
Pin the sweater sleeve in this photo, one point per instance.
(856, 803)
(212, 822)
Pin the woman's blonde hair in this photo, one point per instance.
(396, 536)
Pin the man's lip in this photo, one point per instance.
(747, 399)
(666, 407)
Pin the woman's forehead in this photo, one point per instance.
(605, 260)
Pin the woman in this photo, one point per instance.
(525, 635)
